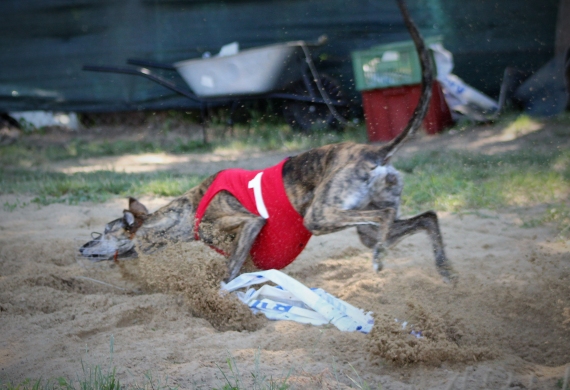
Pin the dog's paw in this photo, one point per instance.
(449, 275)
(377, 255)
(377, 266)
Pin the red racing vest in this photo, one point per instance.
(262, 193)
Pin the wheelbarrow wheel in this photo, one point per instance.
(306, 116)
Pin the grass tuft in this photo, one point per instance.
(93, 378)
(233, 379)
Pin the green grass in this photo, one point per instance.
(461, 181)
(16, 177)
(557, 215)
(445, 181)
(267, 137)
(26, 155)
(454, 181)
(233, 380)
(99, 186)
(261, 137)
(92, 377)
(96, 377)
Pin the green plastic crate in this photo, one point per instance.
(390, 65)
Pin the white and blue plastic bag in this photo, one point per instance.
(293, 301)
(459, 96)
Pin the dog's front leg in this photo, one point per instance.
(377, 239)
(329, 220)
(380, 248)
(250, 228)
(378, 254)
(326, 221)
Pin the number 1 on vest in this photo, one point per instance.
(255, 183)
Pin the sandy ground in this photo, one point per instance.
(505, 324)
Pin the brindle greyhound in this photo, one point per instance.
(333, 187)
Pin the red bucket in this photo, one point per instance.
(388, 110)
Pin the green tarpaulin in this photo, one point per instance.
(45, 43)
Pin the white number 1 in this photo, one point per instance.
(255, 183)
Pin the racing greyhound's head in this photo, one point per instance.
(118, 237)
(386, 188)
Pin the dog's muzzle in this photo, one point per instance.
(89, 249)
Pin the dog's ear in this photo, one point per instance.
(137, 208)
(129, 219)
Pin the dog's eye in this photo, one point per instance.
(370, 174)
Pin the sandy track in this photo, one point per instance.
(512, 299)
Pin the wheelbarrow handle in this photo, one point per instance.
(146, 74)
(150, 64)
(319, 42)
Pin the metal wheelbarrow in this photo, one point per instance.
(282, 71)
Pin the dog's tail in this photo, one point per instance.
(427, 81)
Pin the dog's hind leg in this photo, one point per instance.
(401, 228)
